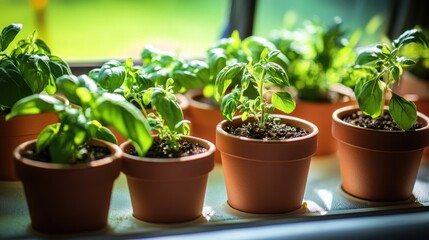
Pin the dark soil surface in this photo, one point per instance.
(271, 131)
(384, 122)
(88, 153)
(160, 149)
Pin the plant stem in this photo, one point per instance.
(384, 92)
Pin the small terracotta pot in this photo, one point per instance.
(168, 190)
(266, 176)
(378, 165)
(204, 118)
(64, 198)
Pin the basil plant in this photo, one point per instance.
(29, 68)
(257, 76)
(377, 69)
(80, 122)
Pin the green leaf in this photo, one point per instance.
(42, 47)
(8, 34)
(224, 78)
(216, 60)
(276, 74)
(68, 85)
(45, 137)
(111, 76)
(404, 112)
(64, 150)
(36, 72)
(105, 134)
(406, 62)
(58, 67)
(10, 78)
(396, 72)
(370, 98)
(410, 36)
(283, 101)
(35, 104)
(228, 106)
(166, 105)
(367, 57)
(126, 119)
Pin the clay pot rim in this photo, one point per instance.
(313, 133)
(192, 94)
(210, 150)
(116, 155)
(351, 109)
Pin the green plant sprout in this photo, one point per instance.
(168, 119)
(254, 75)
(80, 123)
(377, 69)
(233, 50)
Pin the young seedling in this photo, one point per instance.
(257, 76)
(168, 118)
(377, 70)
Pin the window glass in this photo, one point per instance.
(369, 16)
(86, 30)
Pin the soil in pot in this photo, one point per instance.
(161, 149)
(384, 122)
(271, 131)
(87, 152)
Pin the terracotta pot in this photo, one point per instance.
(378, 165)
(204, 118)
(16, 131)
(266, 176)
(65, 198)
(184, 104)
(168, 190)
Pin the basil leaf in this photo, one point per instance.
(36, 72)
(370, 98)
(105, 134)
(367, 57)
(111, 76)
(35, 104)
(10, 78)
(276, 74)
(8, 34)
(166, 106)
(283, 101)
(224, 78)
(126, 119)
(46, 136)
(403, 111)
(229, 106)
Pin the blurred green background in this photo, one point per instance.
(88, 30)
